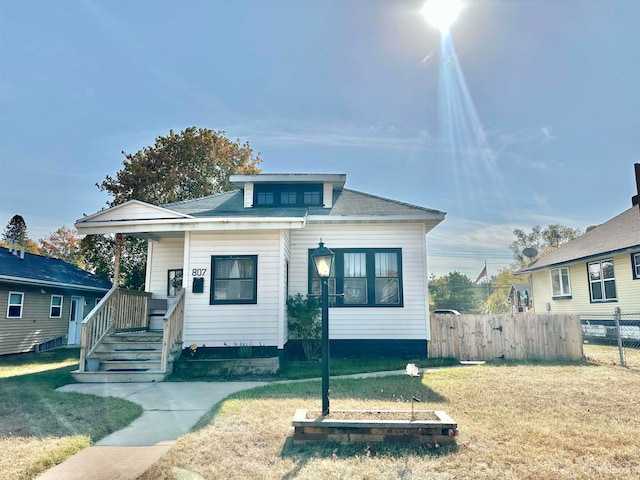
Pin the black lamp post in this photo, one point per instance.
(322, 259)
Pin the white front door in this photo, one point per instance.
(75, 321)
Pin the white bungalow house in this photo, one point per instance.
(232, 260)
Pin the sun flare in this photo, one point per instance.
(441, 13)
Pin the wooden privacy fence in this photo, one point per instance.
(512, 337)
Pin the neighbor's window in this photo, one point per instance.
(635, 265)
(366, 277)
(560, 285)
(602, 281)
(55, 310)
(174, 282)
(14, 306)
(234, 279)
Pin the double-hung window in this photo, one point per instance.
(234, 279)
(602, 281)
(14, 305)
(365, 277)
(635, 265)
(560, 284)
(55, 309)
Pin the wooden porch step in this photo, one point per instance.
(129, 365)
(127, 355)
(129, 346)
(118, 377)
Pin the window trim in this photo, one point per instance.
(9, 304)
(336, 282)
(562, 295)
(52, 306)
(635, 265)
(247, 301)
(601, 282)
(175, 275)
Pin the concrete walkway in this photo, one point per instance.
(170, 410)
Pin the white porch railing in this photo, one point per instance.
(119, 310)
(172, 330)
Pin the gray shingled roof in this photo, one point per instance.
(619, 234)
(345, 203)
(39, 270)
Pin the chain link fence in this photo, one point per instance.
(612, 339)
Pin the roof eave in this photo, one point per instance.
(46, 283)
(189, 224)
(579, 259)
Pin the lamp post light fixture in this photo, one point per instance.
(323, 259)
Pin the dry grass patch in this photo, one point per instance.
(516, 422)
(40, 427)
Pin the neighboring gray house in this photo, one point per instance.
(43, 300)
(239, 255)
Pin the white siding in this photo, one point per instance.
(248, 195)
(134, 211)
(627, 289)
(167, 254)
(235, 325)
(408, 322)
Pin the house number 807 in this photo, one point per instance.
(198, 272)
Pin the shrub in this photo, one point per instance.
(305, 323)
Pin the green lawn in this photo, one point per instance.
(40, 427)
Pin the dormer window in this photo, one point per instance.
(264, 199)
(290, 195)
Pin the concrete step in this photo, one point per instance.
(118, 377)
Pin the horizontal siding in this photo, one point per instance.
(628, 290)
(234, 325)
(370, 323)
(168, 254)
(22, 334)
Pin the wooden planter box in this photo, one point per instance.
(228, 366)
(346, 426)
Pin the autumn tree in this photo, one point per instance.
(63, 244)
(542, 240)
(192, 164)
(498, 300)
(456, 291)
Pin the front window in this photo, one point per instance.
(365, 277)
(55, 310)
(560, 285)
(234, 280)
(355, 278)
(602, 281)
(635, 265)
(14, 306)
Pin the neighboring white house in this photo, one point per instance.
(240, 254)
(593, 274)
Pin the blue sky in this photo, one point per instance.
(547, 127)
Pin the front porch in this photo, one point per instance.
(122, 343)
